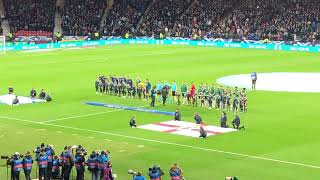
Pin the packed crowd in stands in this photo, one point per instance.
(80, 17)
(162, 16)
(285, 20)
(275, 20)
(202, 17)
(124, 17)
(30, 15)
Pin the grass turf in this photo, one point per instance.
(280, 126)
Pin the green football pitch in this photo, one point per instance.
(281, 140)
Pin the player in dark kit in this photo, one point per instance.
(153, 96)
(254, 78)
(165, 92)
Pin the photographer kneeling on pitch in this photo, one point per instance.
(136, 175)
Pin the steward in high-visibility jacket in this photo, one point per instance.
(27, 165)
(176, 173)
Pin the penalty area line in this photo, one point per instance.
(164, 142)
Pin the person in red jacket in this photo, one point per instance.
(192, 90)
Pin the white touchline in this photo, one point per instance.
(164, 142)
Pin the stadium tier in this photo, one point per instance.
(272, 20)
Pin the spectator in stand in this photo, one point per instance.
(82, 17)
(30, 15)
(202, 16)
(124, 17)
(162, 17)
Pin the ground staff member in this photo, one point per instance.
(27, 165)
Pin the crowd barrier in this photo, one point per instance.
(269, 46)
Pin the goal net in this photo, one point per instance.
(2, 44)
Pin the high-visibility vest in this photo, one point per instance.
(77, 163)
(55, 165)
(50, 156)
(27, 164)
(107, 173)
(92, 163)
(17, 165)
(43, 161)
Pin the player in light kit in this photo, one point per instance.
(254, 79)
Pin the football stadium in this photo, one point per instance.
(159, 89)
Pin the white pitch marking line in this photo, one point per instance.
(85, 115)
(164, 142)
(122, 150)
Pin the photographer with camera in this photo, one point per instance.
(103, 159)
(108, 172)
(27, 165)
(79, 164)
(176, 172)
(136, 175)
(56, 167)
(155, 173)
(67, 162)
(42, 159)
(16, 165)
(132, 121)
(50, 152)
(92, 164)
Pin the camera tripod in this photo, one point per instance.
(7, 166)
